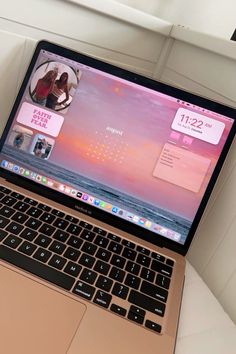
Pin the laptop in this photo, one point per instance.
(105, 175)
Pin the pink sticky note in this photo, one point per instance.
(40, 119)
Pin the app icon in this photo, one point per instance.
(22, 170)
(61, 187)
(50, 184)
(148, 224)
(121, 212)
(79, 195)
(114, 210)
(108, 206)
(85, 197)
(33, 175)
(67, 190)
(102, 204)
(26, 173)
(44, 180)
(38, 178)
(90, 200)
(73, 192)
(136, 218)
(10, 166)
(130, 216)
(141, 221)
(16, 169)
(4, 164)
(96, 202)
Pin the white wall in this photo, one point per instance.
(215, 17)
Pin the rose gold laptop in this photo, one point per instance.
(104, 177)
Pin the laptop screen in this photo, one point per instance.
(129, 150)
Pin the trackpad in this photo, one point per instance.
(33, 318)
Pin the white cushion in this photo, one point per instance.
(204, 326)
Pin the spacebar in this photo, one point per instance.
(36, 268)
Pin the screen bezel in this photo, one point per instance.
(147, 82)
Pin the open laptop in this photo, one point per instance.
(104, 177)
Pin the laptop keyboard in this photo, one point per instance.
(84, 259)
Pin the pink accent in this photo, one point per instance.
(175, 135)
(181, 167)
(187, 140)
(40, 119)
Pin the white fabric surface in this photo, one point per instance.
(204, 326)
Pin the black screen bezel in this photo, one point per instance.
(147, 82)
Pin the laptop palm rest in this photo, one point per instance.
(50, 319)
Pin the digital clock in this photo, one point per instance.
(198, 126)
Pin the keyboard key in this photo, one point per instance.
(88, 276)
(73, 269)
(84, 290)
(39, 269)
(57, 247)
(58, 213)
(61, 235)
(153, 326)
(120, 290)
(3, 234)
(132, 268)
(87, 261)
(99, 231)
(33, 223)
(128, 244)
(43, 241)
(102, 267)
(86, 225)
(147, 303)
(20, 217)
(143, 260)
(21, 206)
(42, 255)
(162, 268)
(7, 211)
(89, 248)
(57, 262)
(158, 257)
(74, 229)
(88, 235)
(118, 261)
(104, 255)
(147, 274)
(8, 200)
(129, 253)
(115, 247)
(137, 311)
(48, 218)
(104, 283)
(5, 190)
(72, 254)
(132, 281)
(44, 207)
(163, 281)
(114, 237)
(118, 310)
(143, 250)
(17, 195)
(102, 299)
(61, 224)
(28, 234)
(75, 242)
(170, 262)
(71, 219)
(30, 201)
(47, 229)
(154, 291)
(14, 228)
(3, 222)
(12, 241)
(117, 274)
(136, 318)
(27, 248)
(34, 212)
(101, 241)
